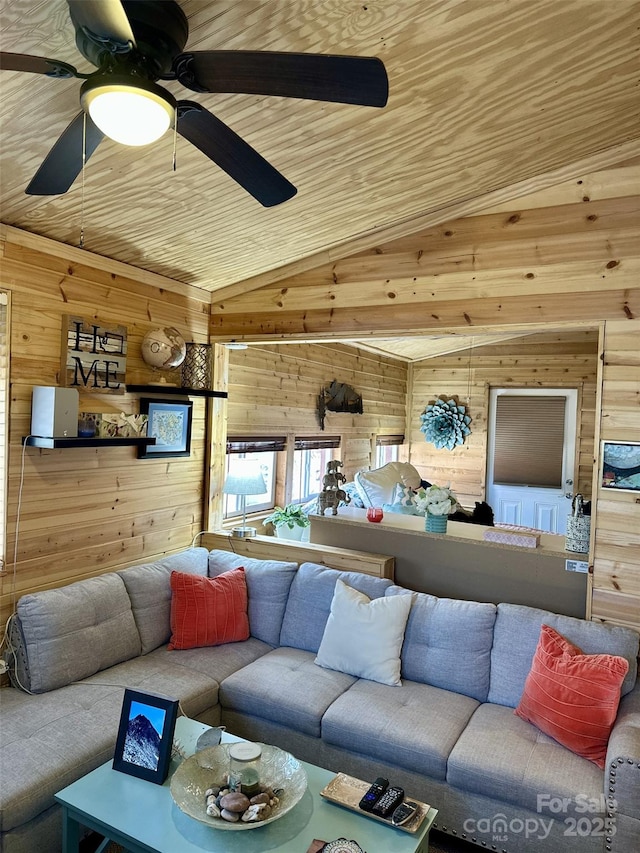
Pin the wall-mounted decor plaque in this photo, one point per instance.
(94, 355)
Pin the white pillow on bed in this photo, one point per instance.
(377, 487)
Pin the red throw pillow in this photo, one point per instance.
(573, 697)
(208, 611)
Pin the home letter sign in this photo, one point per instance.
(94, 356)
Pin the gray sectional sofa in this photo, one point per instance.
(448, 734)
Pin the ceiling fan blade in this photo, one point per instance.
(106, 19)
(317, 77)
(36, 65)
(63, 163)
(238, 159)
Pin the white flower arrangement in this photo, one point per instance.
(438, 500)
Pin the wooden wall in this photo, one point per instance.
(554, 359)
(85, 511)
(273, 390)
(616, 551)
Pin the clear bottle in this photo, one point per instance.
(244, 768)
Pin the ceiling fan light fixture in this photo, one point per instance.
(130, 113)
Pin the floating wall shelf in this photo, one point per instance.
(73, 441)
(175, 389)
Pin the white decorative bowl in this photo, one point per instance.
(278, 769)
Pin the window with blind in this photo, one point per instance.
(387, 448)
(4, 381)
(310, 458)
(529, 441)
(262, 451)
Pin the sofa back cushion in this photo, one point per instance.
(448, 642)
(268, 584)
(70, 633)
(515, 639)
(149, 588)
(309, 602)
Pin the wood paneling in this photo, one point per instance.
(572, 261)
(88, 510)
(274, 390)
(484, 95)
(616, 553)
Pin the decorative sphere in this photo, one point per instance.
(164, 349)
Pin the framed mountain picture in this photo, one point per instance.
(145, 736)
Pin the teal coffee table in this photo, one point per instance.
(143, 818)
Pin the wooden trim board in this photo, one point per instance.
(270, 548)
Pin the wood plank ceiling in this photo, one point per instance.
(484, 94)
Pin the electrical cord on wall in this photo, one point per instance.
(193, 541)
(6, 641)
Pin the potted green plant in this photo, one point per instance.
(289, 522)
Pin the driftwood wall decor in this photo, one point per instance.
(338, 397)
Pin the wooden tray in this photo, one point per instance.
(346, 791)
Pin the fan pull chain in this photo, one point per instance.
(84, 160)
(473, 340)
(175, 136)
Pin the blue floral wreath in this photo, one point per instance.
(445, 423)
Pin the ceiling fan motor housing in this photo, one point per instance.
(160, 28)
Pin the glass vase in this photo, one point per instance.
(435, 523)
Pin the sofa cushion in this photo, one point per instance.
(71, 632)
(573, 697)
(159, 673)
(208, 611)
(48, 741)
(515, 639)
(364, 637)
(268, 584)
(448, 642)
(377, 487)
(413, 728)
(309, 602)
(218, 662)
(259, 688)
(149, 589)
(499, 755)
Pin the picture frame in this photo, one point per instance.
(169, 422)
(145, 735)
(620, 466)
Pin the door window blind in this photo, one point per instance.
(529, 441)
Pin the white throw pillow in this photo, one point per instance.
(363, 636)
(377, 487)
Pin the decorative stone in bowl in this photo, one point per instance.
(279, 770)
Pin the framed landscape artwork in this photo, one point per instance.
(145, 736)
(620, 466)
(170, 424)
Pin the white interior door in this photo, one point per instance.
(531, 505)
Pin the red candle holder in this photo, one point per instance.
(374, 513)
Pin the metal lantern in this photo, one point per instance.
(196, 367)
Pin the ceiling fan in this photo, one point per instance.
(134, 43)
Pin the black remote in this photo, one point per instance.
(403, 813)
(373, 794)
(389, 801)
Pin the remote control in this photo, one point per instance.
(404, 812)
(373, 794)
(391, 798)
